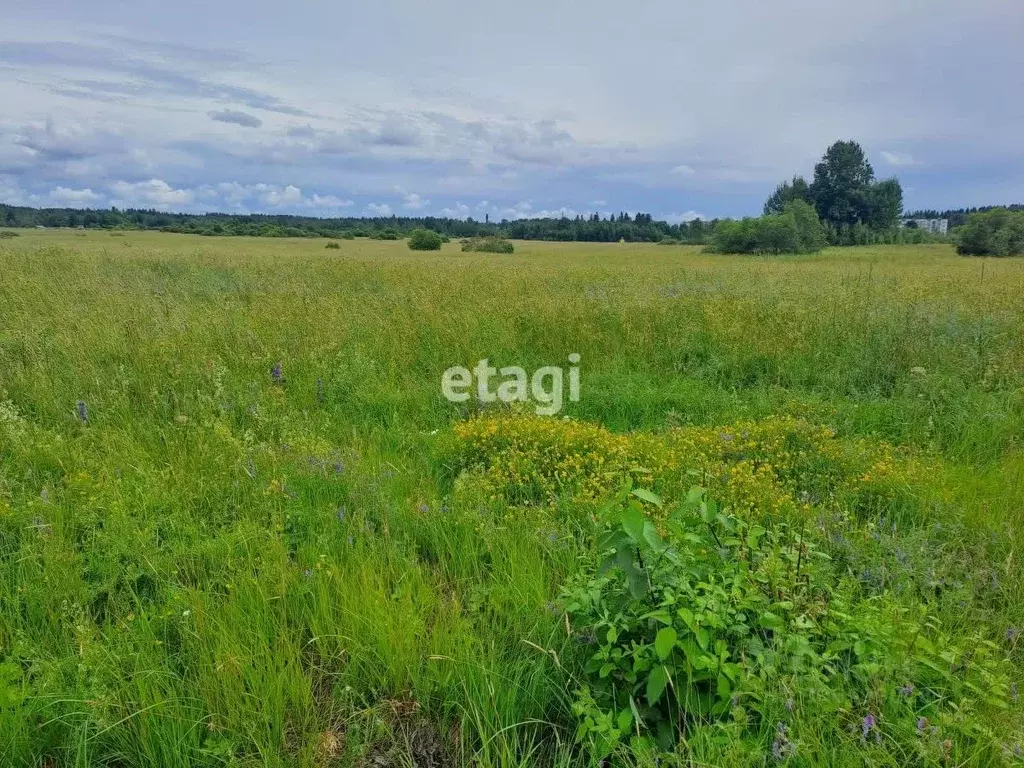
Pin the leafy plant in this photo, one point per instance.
(706, 618)
(425, 240)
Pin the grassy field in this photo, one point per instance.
(205, 563)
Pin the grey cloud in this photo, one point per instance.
(142, 77)
(243, 119)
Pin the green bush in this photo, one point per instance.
(347, 235)
(425, 240)
(705, 620)
(387, 234)
(998, 232)
(796, 230)
(488, 245)
(6, 234)
(333, 245)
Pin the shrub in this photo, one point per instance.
(387, 234)
(7, 234)
(704, 620)
(796, 230)
(347, 235)
(425, 240)
(998, 232)
(333, 245)
(488, 245)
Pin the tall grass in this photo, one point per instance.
(219, 566)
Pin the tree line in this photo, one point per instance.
(641, 227)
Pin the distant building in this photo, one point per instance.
(934, 226)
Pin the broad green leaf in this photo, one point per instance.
(664, 642)
(625, 720)
(645, 495)
(656, 683)
(633, 522)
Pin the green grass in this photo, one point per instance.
(219, 569)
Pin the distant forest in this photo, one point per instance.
(958, 216)
(636, 228)
(640, 227)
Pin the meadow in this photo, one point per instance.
(240, 525)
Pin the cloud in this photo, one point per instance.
(456, 211)
(411, 201)
(678, 218)
(898, 158)
(88, 107)
(154, 193)
(72, 197)
(329, 201)
(378, 209)
(243, 119)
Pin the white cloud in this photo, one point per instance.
(411, 201)
(457, 211)
(683, 170)
(276, 197)
(329, 201)
(378, 209)
(154, 193)
(66, 195)
(677, 218)
(898, 158)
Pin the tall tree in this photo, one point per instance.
(840, 187)
(885, 204)
(786, 193)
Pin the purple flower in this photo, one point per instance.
(276, 374)
(83, 411)
(782, 747)
(789, 704)
(423, 508)
(922, 723)
(1012, 633)
(867, 725)
(907, 690)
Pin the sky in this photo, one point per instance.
(459, 108)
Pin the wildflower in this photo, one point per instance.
(45, 496)
(307, 573)
(906, 690)
(341, 514)
(782, 747)
(276, 374)
(789, 704)
(1012, 633)
(338, 467)
(868, 725)
(423, 508)
(922, 724)
(83, 412)
(587, 638)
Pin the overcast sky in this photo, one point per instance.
(464, 108)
